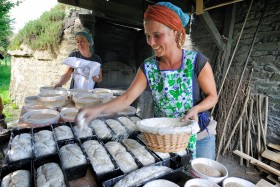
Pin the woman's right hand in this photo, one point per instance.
(85, 116)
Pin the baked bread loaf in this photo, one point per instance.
(98, 156)
(101, 129)
(71, 155)
(121, 156)
(21, 147)
(130, 125)
(44, 143)
(141, 175)
(116, 126)
(82, 132)
(50, 175)
(19, 178)
(139, 151)
(63, 132)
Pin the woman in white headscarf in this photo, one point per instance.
(83, 65)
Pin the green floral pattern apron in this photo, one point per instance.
(172, 90)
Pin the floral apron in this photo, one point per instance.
(172, 90)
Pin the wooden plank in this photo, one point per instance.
(258, 163)
(271, 178)
(264, 183)
(211, 27)
(271, 156)
(274, 146)
(199, 7)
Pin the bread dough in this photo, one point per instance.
(141, 175)
(118, 129)
(63, 132)
(82, 132)
(135, 119)
(19, 178)
(71, 155)
(124, 159)
(21, 147)
(101, 129)
(44, 143)
(207, 170)
(130, 125)
(139, 151)
(98, 156)
(50, 175)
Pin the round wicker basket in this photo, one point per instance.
(31, 100)
(68, 114)
(167, 134)
(49, 88)
(53, 98)
(103, 93)
(83, 100)
(39, 118)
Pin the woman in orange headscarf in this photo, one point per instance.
(181, 81)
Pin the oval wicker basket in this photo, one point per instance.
(103, 93)
(40, 118)
(50, 88)
(31, 100)
(167, 134)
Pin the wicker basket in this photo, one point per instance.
(167, 143)
(53, 98)
(84, 100)
(68, 114)
(53, 117)
(167, 134)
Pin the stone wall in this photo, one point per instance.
(31, 70)
(265, 57)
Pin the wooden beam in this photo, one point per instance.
(257, 163)
(274, 146)
(211, 27)
(228, 33)
(271, 156)
(264, 183)
(199, 7)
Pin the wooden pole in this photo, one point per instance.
(240, 141)
(249, 129)
(257, 163)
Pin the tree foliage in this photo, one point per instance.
(6, 23)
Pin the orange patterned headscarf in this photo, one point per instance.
(166, 16)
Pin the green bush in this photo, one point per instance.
(43, 33)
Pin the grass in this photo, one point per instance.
(5, 77)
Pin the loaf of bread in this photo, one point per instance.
(50, 175)
(139, 151)
(19, 178)
(21, 147)
(82, 132)
(135, 119)
(116, 126)
(98, 156)
(130, 125)
(71, 155)
(44, 143)
(101, 129)
(124, 159)
(63, 132)
(141, 175)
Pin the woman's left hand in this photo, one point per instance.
(192, 114)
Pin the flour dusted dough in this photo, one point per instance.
(117, 127)
(101, 129)
(44, 143)
(141, 175)
(63, 132)
(71, 155)
(139, 151)
(82, 132)
(50, 175)
(122, 157)
(98, 156)
(130, 125)
(135, 119)
(207, 170)
(21, 147)
(234, 184)
(19, 178)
